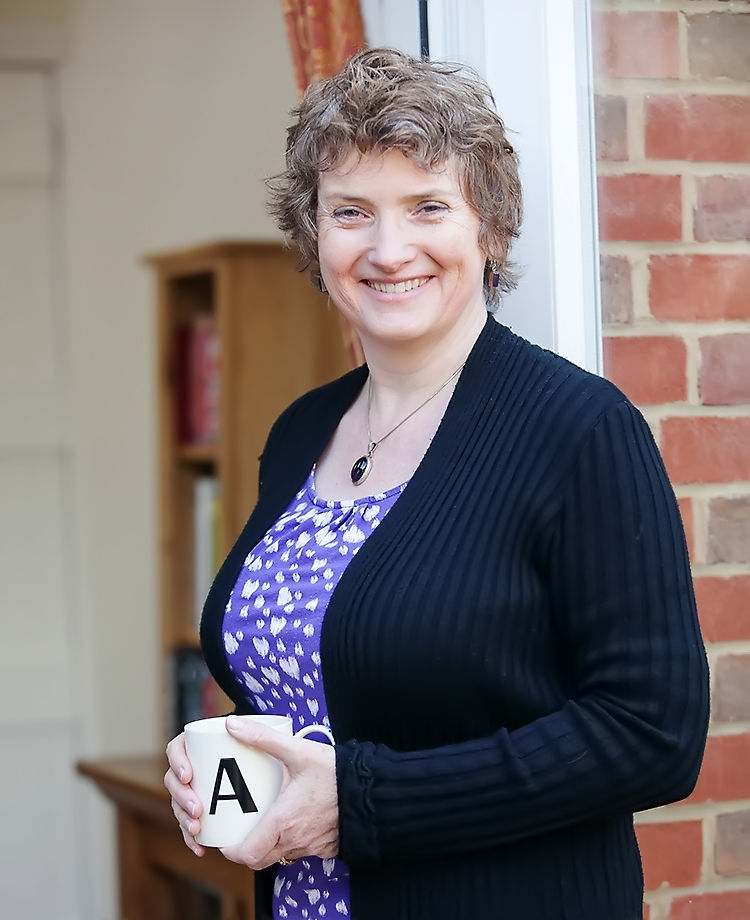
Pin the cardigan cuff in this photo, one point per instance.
(358, 844)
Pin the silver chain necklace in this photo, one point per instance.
(362, 466)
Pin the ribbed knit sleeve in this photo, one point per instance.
(631, 733)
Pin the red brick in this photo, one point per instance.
(730, 689)
(706, 449)
(671, 852)
(729, 530)
(724, 607)
(648, 369)
(640, 207)
(717, 46)
(732, 849)
(617, 289)
(636, 45)
(686, 512)
(724, 378)
(698, 128)
(725, 905)
(700, 287)
(722, 209)
(610, 114)
(724, 775)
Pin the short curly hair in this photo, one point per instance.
(434, 112)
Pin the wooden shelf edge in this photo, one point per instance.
(134, 782)
(175, 260)
(183, 639)
(197, 453)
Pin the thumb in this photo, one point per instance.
(266, 739)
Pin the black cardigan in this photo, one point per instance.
(512, 662)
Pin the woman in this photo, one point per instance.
(512, 663)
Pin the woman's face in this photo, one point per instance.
(399, 248)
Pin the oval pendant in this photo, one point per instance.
(360, 470)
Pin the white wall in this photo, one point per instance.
(170, 112)
(173, 111)
(39, 724)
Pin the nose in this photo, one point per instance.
(392, 245)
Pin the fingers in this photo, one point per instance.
(275, 837)
(258, 849)
(192, 844)
(178, 777)
(186, 806)
(185, 819)
(189, 825)
(183, 795)
(178, 759)
(304, 819)
(273, 742)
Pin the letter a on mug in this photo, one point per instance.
(241, 795)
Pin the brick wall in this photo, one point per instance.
(673, 147)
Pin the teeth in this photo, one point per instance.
(400, 287)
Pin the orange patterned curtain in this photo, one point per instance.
(323, 34)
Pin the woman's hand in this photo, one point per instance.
(304, 820)
(186, 806)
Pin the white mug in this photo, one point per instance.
(236, 783)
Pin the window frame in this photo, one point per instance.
(542, 83)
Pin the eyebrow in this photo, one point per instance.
(417, 196)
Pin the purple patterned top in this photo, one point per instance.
(272, 641)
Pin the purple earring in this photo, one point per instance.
(492, 273)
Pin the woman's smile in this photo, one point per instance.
(397, 287)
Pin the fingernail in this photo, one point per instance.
(191, 808)
(182, 773)
(234, 723)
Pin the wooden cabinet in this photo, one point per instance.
(160, 879)
(277, 337)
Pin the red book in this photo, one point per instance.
(182, 384)
(203, 360)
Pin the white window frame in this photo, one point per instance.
(536, 57)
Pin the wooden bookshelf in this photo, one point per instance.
(277, 338)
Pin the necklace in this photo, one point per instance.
(362, 466)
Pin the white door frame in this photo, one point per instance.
(535, 55)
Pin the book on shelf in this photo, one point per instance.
(196, 695)
(206, 540)
(197, 380)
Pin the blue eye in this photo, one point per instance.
(348, 213)
(431, 207)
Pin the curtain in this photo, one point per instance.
(323, 34)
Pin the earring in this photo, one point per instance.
(492, 273)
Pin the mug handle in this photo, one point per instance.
(310, 729)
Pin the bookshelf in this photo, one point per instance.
(240, 335)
